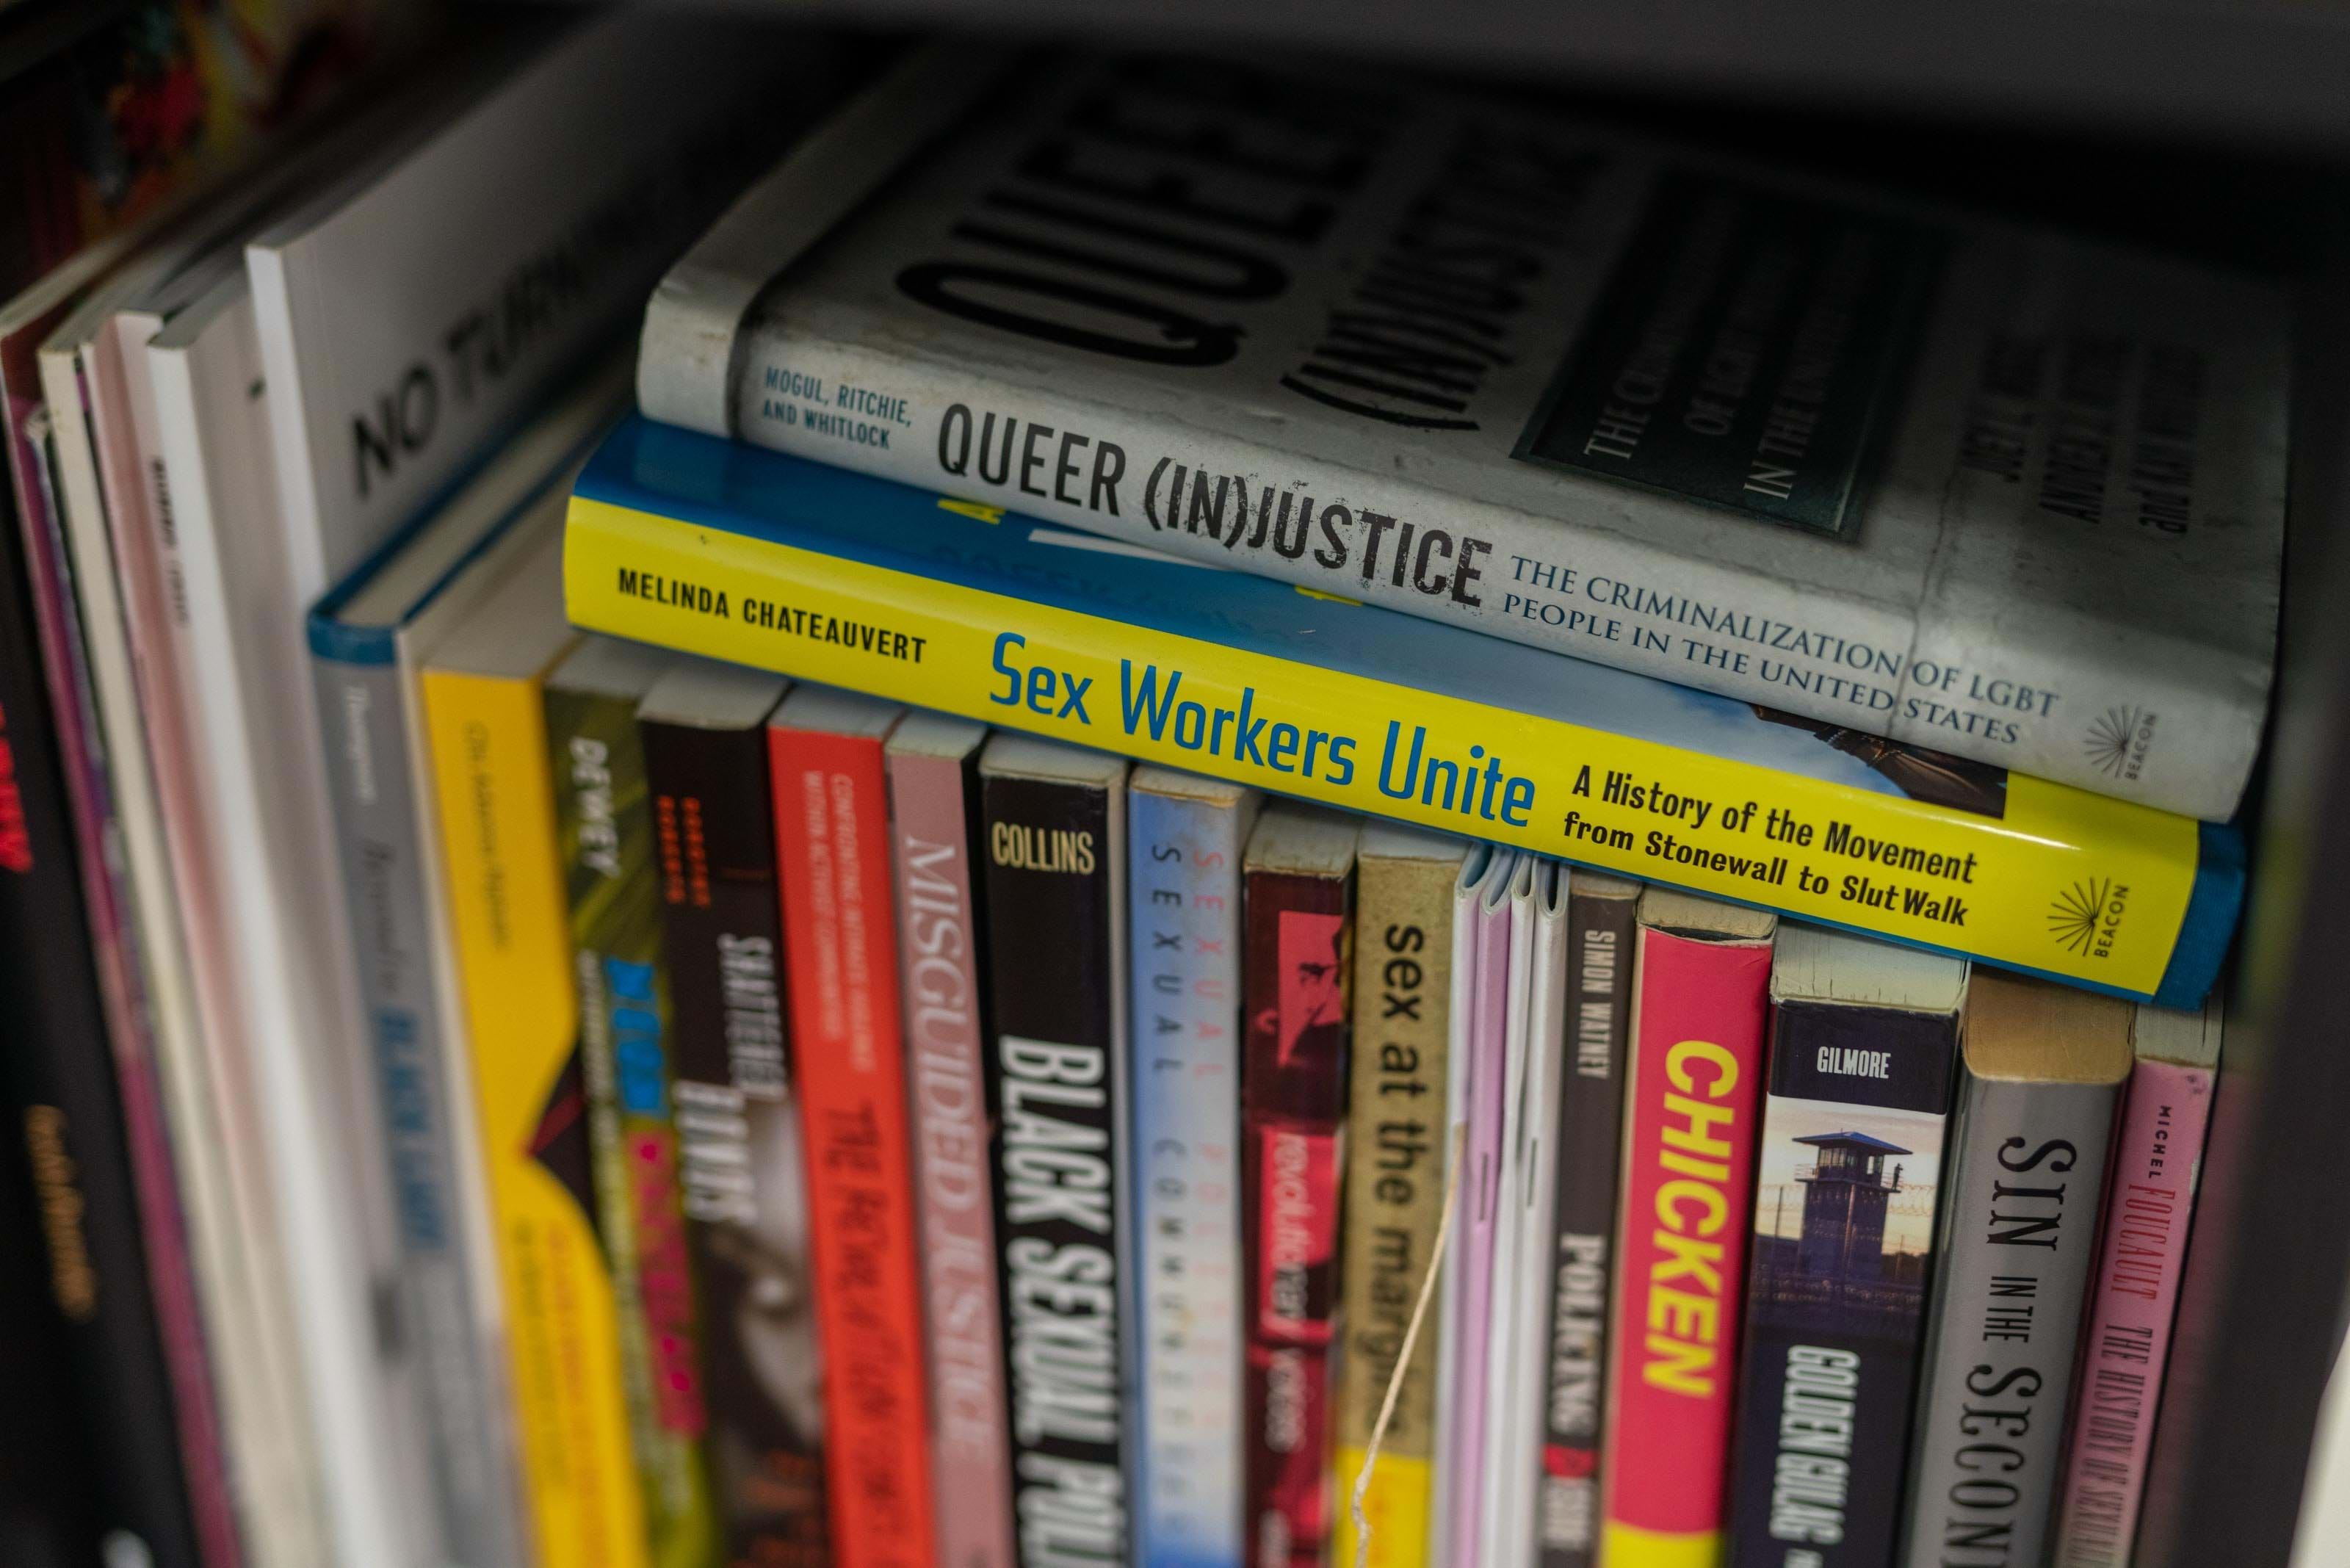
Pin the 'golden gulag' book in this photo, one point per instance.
(2007, 493)
(718, 548)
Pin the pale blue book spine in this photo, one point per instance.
(377, 833)
(1184, 878)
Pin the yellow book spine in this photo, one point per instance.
(1625, 1546)
(2064, 882)
(513, 946)
(1394, 1510)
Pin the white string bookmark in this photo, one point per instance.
(1403, 1357)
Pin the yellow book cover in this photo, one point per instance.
(691, 543)
(485, 723)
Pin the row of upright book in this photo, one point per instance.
(1067, 1160)
(1193, 824)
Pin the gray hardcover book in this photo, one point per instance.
(2041, 1073)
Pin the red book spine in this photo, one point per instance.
(1293, 1115)
(1692, 1111)
(832, 832)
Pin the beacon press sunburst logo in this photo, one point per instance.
(2109, 739)
(2072, 914)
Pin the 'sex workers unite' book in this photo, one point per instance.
(716, 548)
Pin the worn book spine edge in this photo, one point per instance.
(512, 941)
(957, 625)
(2149, 1216)
(2052, 1139)
(1184, 889)
(933, 806)
(378, 836)
(2208, 702)
(1395, 1118)
(831, 806)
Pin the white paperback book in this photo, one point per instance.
(1479, 872)
(1502, 1353)
(409, 317)
(326, 1192)
(1516, 1449)
(1898, 471)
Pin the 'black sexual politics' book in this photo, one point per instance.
(1055, 846)
(1864, 1047)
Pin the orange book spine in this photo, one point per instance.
(832, 832)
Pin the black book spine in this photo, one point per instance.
(1590, 1156)
(66, 1125)
(49, 1504)
(1055, 1088)
(739, 1138)
(1843, 1255)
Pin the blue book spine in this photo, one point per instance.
(1185, 839)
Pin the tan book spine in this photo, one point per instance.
(1395, 1190)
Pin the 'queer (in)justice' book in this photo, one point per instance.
(2006, 493)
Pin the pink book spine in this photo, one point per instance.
(971, 1459)
(1691, 1110)
(1480, 1206)
(2149, 1210)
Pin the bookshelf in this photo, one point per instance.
(2215, 129)
(2219, 130)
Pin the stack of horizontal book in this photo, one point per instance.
(1206, 819)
